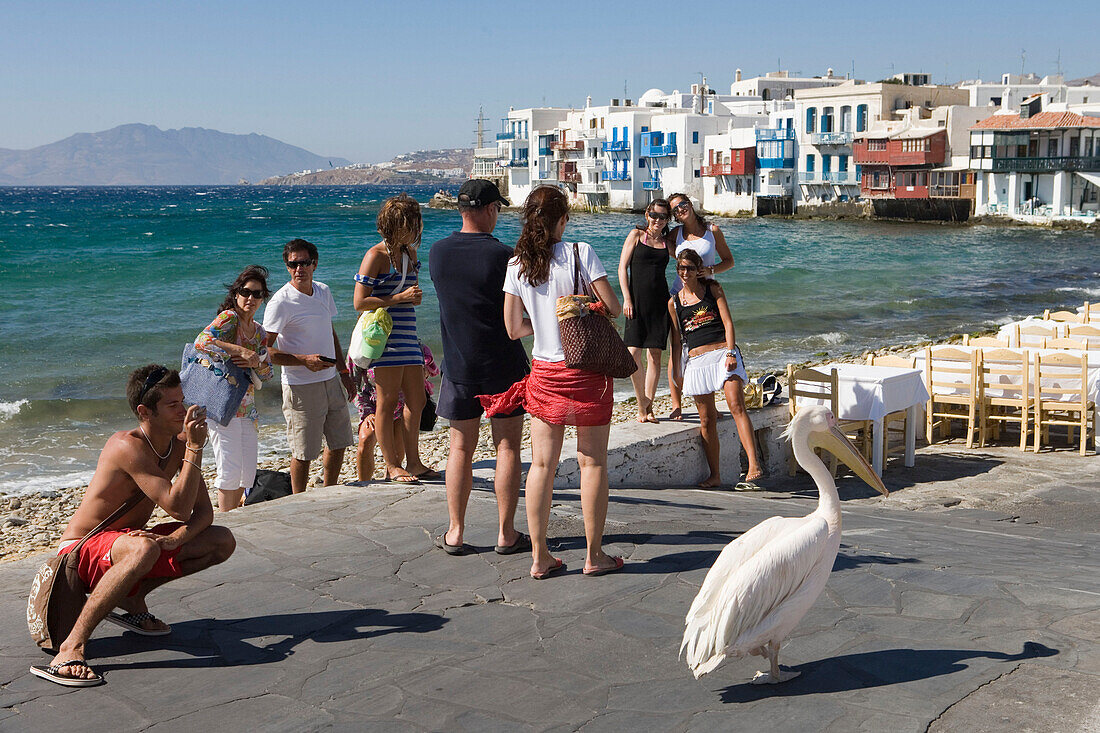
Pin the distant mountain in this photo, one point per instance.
(146, 155)
(445, 167)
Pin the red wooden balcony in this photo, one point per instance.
(567, 144)
(742, 162)
(907, 151)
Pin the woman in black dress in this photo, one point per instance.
(645, 257)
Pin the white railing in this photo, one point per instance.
(773, 189)
(590, 163)
(492, 152)
(592, 188)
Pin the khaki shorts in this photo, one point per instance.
(313, 410)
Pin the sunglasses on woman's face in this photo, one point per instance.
(681, 207)
(657, 216)
(249, 293)
(686, 268)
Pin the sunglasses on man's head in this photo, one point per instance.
(249, 293)
(295, 264)
(151, 381)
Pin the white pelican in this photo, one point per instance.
(766, 580)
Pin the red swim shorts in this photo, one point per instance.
(95, 556)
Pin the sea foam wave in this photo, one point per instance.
(40, 482)
(11, 409)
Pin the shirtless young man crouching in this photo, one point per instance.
(124, 562)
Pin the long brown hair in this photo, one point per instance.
(252, 272)
(687, 198)
(542, 211)
(400, 224)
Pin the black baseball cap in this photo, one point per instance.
(478, 192)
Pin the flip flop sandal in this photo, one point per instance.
(132, 622)
(549, 571)
(441, 543)
(403, 480)
(596, 572)
(523, 542)
(430, 476)
(746, 486)
(51, 673)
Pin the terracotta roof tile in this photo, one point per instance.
(1041, 121)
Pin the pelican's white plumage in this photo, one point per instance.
(765, 581)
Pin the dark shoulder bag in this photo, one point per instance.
(588, 337)
(58, 594)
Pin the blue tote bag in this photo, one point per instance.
(219, 386)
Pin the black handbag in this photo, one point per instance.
(427, 415)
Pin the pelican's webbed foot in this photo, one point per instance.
(766, 678)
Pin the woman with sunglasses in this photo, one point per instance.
(400, 369)
(701, 317)
(235, 335)
(557, 395)
(696, 233)
(642, 266)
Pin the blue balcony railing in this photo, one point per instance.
(615, 175)
(658, 151)
(615, 146)
(651, 185)
(835, 176)
(506, 136)
(775, 162)
(786, 133)
(808, 176)
(545, 151)
(517, 163)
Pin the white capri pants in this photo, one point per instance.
(234, 453)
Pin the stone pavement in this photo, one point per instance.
(336, 612)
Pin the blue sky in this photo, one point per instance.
(367, 80)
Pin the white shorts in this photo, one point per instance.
(707, 372)
(234, 453)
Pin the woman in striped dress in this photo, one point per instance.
(400, 369)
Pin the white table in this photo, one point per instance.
(1092, 386)
(873, 392)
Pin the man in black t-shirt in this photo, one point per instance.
(467, 270)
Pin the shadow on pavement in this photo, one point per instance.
(875, 669)
(223, 642)
(848, 561)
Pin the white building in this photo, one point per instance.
(779, 85)
(1037, 163)
(828, 118)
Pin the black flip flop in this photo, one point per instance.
(132, 622)
(441, 543)
(523, 542)
(430, 476)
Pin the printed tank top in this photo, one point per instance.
(700, 323)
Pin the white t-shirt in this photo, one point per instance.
(304, 325)
(541, 302)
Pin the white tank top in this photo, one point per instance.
(705, 247)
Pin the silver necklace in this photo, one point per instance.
(158, 455)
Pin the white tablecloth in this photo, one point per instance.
(1057, 329)
(871, 393)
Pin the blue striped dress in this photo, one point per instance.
(402, 347)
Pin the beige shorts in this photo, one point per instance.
(316, 410)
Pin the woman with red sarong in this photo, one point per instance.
(556, 395)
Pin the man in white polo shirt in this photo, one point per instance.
(301, 339)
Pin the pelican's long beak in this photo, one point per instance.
(835, 442)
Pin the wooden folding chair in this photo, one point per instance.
(1062, 316)
(1086, 332)
(1063, 343)
(953, 379)
(984, 341)
(893, 425)
(1061, 391)
(1033, 336)
(1090, 313)
(816, 385)
(1006, 392)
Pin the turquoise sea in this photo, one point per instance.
(97, 281)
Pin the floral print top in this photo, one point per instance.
(224, 328)
(364, 384)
